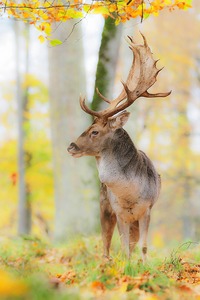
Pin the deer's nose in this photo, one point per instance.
(73, 147)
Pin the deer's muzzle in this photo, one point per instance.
(73, 149)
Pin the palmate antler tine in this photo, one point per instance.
(102, 97)
(114, 102)
(100, 114)
(149, 95)
(132, 98)
(144, 39)
(87, 109)
(130, 39)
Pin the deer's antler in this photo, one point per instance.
(142, 75)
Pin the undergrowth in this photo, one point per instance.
(35, 270)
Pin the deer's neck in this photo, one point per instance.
(123, 149)
(116, 157)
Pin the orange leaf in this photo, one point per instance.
(97, 285)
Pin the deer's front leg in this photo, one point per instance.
(124, 232)
(108, 219)
(143, 229)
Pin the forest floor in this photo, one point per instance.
(31, 269)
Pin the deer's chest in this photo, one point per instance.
(124, 195)
(108, 170)
(127, 207)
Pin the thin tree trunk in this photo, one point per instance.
(24, 212)
(26, 121)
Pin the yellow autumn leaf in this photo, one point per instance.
(10, 286)
(168, 2)
(41, 38)
(74, 14)
(123, 287)
(86, 8)
(25, 15)
(30, 80)
(113, 271)
(35, 12)
(112, 7)
(45, 27)
(151, 297)
(101, 10)
(157, 240)
(155, 13)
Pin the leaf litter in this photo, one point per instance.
(81, 270)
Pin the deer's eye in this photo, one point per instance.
(95, 132)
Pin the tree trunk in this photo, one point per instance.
(74, 209)
(24, 209)
(108, 57)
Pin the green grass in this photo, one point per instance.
(31, 269)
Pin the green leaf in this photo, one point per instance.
(55, 42)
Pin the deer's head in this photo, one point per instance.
(92, 141)
(142, 76)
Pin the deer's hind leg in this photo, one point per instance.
(143, 228)
(108, 220)
(133, 235)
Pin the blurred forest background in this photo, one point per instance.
(46, 192)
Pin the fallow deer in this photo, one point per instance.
(130, 184)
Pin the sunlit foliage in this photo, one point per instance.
(43, 13)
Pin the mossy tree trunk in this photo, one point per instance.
(107, 63)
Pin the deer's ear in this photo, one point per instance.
(119, 120)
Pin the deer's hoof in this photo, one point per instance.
(107, 257)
